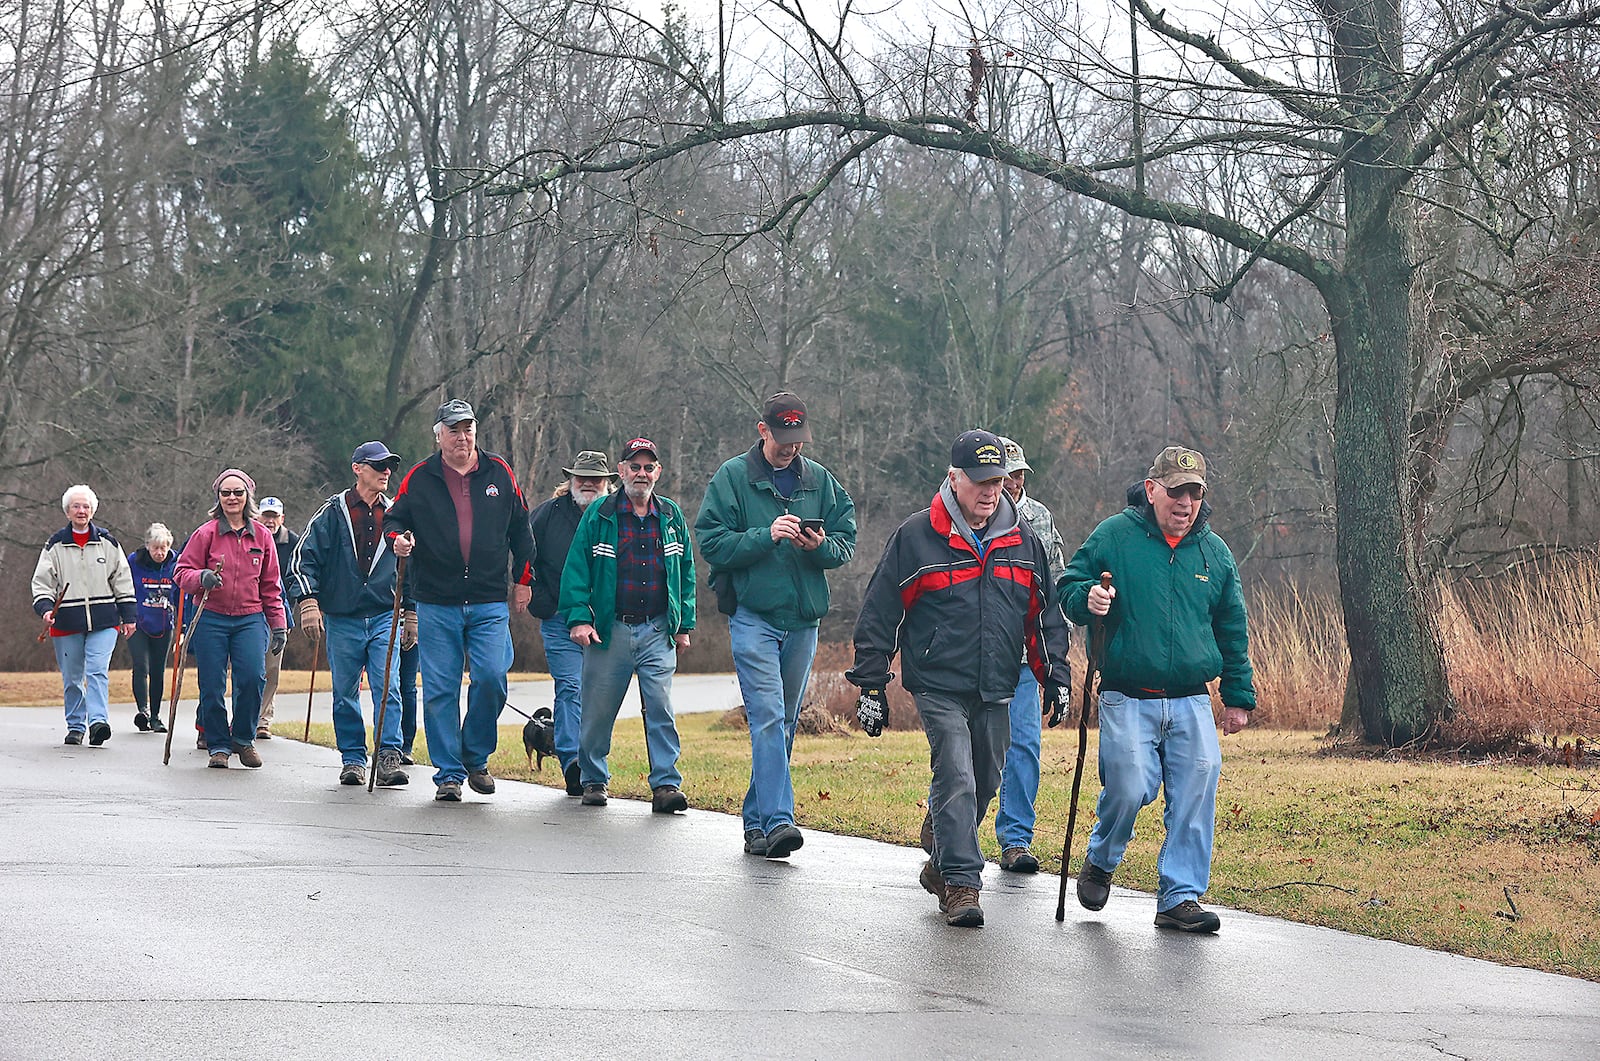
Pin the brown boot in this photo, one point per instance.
(927, 833)
(961, 907)
(932, 882)
(248, 756)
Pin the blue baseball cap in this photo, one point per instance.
(375, 454)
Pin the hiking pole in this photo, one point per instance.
(388, 662)
(182, 640)
(44, 635)
(1091, 657)
(316, 642)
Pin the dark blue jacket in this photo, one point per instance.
(325, 565)
(155, 590)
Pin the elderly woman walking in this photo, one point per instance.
(155, 587)
(232, 560)
(83, 591)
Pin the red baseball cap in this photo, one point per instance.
(640, 445)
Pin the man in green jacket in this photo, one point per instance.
(1174, 620)
(627, 594)
(772, 523)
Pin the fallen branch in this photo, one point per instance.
(1302, 883)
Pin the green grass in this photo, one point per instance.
(1421, 852)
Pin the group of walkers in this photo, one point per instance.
(972, 594)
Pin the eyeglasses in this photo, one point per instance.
(1193, 491)
(230, 493)
(643, 467)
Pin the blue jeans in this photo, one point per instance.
(564, 657)
(773, 667)
(409, 659)
(967, 740)
(220, 642)
(357, 645)
(1019, 781)
(84, 660)
(1146, 746)
(645, 649)
(475, 637)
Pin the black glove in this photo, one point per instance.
(872, 711)
(210, 579)
(278, 640)
(1056, 702)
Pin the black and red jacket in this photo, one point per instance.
(501, 541)
(960, 625)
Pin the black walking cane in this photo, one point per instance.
(177, 675)
(1091, 659)
(388, 662)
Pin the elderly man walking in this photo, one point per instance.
(962, 589)
(461, 516)
(342, 578)
(284, 540)
(554, 523)
(627, 594)
(772, 524)
(1175, 620)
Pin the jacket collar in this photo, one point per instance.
(96, 532)
(760, 472)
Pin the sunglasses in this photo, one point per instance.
(231, 493)
(643, 467)
(1193, 491)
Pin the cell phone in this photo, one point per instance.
(811, 525)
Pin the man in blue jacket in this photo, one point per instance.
(342, 573)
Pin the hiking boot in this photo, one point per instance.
(74, 736)
(1094, 886)
(574, 780)
(156, 725)
(932, 882)
(248, 756)
(1188, 916)
(784, 841)
(141, 722)
(755, 843)
(1018, 860)
(927, 833)
(481, 782)
(200, 740)
(594, 795)
(668, 798)
(263, 733)
(448, 792)
(405, 758)
(389, 773)
(218, 761)
(99, 733)
(961, 907)
(352, 774)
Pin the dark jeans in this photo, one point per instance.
(149, 669)
(408, 696)
(236, 642)
(967, 740)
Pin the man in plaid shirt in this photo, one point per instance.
(627, 594)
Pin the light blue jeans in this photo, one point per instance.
(477, 638)
(356, 646)
(564, 656)
(773, 666)
(645, 649)
(224, 643)
(1147, 746)
(1019, 781)
(84, 660)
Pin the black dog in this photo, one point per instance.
(539, 737)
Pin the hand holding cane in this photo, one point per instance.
(388, 664)
(1091, 660)
(179, 643)
(44, 635)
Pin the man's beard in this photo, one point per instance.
(639, 493)
(585, 497)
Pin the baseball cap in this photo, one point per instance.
(1015, 461)
(979, 454)
(453, 412)
(640, 445)
(591, 464)
(270, 504)
(375, 454)
(1175, 466)
(785, 416)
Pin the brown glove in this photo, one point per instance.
(308, 614)
(408, 630)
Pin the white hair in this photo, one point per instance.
(157, 532)
(438, 433)
(74, 491)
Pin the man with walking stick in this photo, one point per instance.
(342, 575)
(962, 589)
(1174, 621)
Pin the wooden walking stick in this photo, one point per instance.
(388, 662)
(44, 635)
(179, 643)
(1091, 660)
(316, 642)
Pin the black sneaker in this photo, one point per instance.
(99, 733)
(1018, 860)
(755, 843)
(448, 792)
(481, 782)
(1188, 916)
(669, 798)
(574, 779)
(405, 758)
(784, 841)
(74, 736)
(141, 722)
(156, 725)
(1094, 886)
(352, 774)
(594, 795)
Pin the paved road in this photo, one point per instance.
(182, 912)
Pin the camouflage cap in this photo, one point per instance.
(1175, 466)
(1015, 460)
